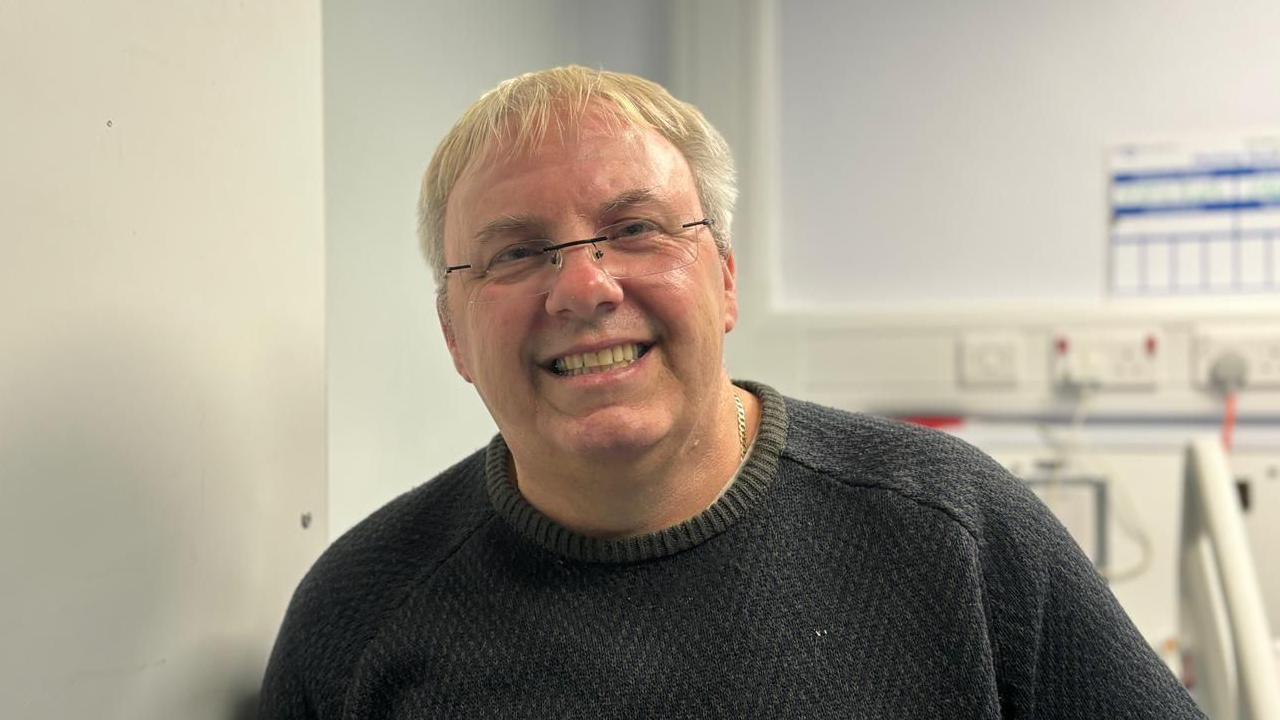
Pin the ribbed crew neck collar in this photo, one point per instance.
(748, 489)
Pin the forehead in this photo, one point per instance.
(570, 174)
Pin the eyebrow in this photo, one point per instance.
(524, 224)
(629, 199)
(508, 225)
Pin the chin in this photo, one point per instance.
(611, 432)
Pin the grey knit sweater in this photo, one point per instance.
(856, 568)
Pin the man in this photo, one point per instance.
(646, 538)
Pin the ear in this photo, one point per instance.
(451, 340)
(729, 269)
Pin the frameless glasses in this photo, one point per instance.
(629, 249)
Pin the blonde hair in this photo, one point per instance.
(518, 112)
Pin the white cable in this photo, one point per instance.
(1071, 452)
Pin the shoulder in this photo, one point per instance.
(921, 477)
(401, 539)
(368, 571)
(417, 522)
(1057, 636)
(929, 469)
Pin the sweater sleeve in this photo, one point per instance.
(286, 693)
(1064, 648)
(357, 583)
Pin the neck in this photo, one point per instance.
(649, 491)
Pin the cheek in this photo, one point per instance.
(694, 283)
(691, 301)
(494, 338)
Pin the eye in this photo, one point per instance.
(632, 230)
(518, 254)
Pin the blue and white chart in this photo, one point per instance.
(1195, 217)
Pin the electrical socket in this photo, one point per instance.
(1257, 345)
(991, 359)
(1112, 359)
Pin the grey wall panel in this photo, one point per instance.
(161, 351)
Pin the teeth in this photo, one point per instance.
(599, 361)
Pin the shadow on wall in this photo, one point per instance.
(246, 708)
(108, 519)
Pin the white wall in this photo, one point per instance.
(934, 152)
(161, 351)
(397, 76)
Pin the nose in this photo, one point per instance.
(582, 288)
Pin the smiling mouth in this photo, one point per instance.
(609, 358)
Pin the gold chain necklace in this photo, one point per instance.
(742, 424)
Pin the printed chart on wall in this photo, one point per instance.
(1195, 217)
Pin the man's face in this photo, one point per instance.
(563, 190)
